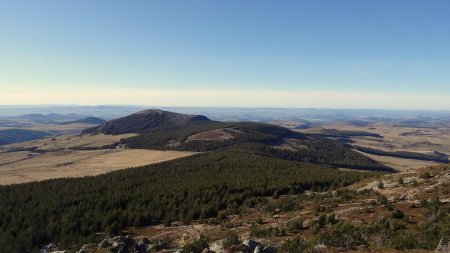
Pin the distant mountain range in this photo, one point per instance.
(88, 120)
(29, 127)
(238, 114)
(51, 118)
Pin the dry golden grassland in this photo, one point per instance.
(70, 141)
(18, 167)
(398, 138)
(59, 160)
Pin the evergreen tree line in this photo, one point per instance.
(208, 185)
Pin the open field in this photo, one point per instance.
(400, 164)
(63, 128)
(58, 157)
(52, 128)
(69, 142)
(399, 137)
(19, 167)
(396, 138)
(19, 130)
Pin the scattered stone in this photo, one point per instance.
(104, 244)
(49, 248)
(320, 248)
(216, 247)
(86, 248)
(116, 246)
(207, 250)
(126, 244)
(251, 245)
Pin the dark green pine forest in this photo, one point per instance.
(209, 185)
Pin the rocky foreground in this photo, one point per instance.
(127, 244)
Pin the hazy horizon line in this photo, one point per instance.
(246, 98)
(222, 107)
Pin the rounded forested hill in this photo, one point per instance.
(145, 121)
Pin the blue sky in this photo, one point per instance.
(238, 53)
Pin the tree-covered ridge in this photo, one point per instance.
(167, 130)
(243, 132)
(326, 151)
(207, 185)
(264, 140)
